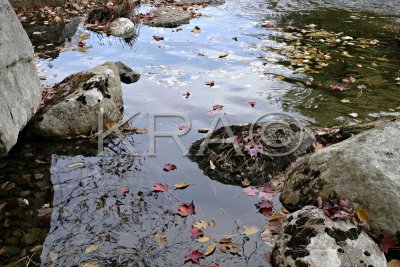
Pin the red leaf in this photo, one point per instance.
(266, 212)
(186, 209)
(250, 191)
(268, 188)
(124, 190)
(158, 187)
(388, 242)
(194, 256)
(338, 88)
(169, 167)
(251, 103)
(196, 232)
(264, 204)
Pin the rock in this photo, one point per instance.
(126, 74)
(364, 169)
(74, 110)
(281, 146)
(20, 92)
(122, 27)
(309, 238)
(37, 3)
(12, 241)
(10, 251)
(169, 17)
(32, 237)
(198, 2)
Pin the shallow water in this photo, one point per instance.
(88, 207)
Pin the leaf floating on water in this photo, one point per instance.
(210, 249)
(158, 38)
(394, 263)
(159, 187)
(250, 191)
(209, 83)
(225, 240)
(160, 239)
(182, 185)
(196, 232)
(250, 230)
(252, 103)
(196, 29)
(91, 249)
(169, 167)
(223, 55)
(204, 224)
(235, 38)
(76, 165)
(194, 256)
(203, 239)
(186, 209)
(186, 94)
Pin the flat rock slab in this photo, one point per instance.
(169, 17)
(309, 238)
(198, 2)
(364, 169)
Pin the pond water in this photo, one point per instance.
(93, 222)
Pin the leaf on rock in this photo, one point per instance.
(194, 256)
(160, 239)
(250, 230)
(186, 209)
(394, 263)
(250, 191)
(169, 167)
(203, 239)
(159, 187)
(91, 249)
(362, 215)
(210, 249)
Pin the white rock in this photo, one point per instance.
(122, 27)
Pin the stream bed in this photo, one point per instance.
(102, 211)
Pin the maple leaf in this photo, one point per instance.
(268, 188)
(196, 232)
(250, 191)
(252, 103)
(158, 187)
(169, 167)
(338, 88)
(194, 256)
(388, 242)
(266, 212)
(186, 209)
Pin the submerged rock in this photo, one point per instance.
(364, 169)
(126, 74)
(309, 238)
(122, 27)
(20, 91)
(169, 17)
(74, 110)
(272, 149)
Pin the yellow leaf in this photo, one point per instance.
(182, 185)
(394, 263)
(250, 230)
(345, 101)
(382, 59)
(160, 239)
(362, 215)
(280, 78)
(75, 165)
(91, 249)
(226, 240)
(204, 224)
(210, 249)
(392, 110)
(203, 239)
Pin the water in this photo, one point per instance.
(89, 210)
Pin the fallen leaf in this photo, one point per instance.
(196, 29)
(184, 128)
(169, 167)
(349, 80)
(338, 88)
(362, 215)
(354, 115)
(90, 264)
(182, 185)
(160, 239)
(362, 87)
(212, 166)
(267, 196)
(124, 190)
(196, 232)
(159, 187)
(203, 239)
(245, 182)
(210, 249)
(345, 101)
(250, 230)
(218, 107)
(202, 130)
(250, 191)
(209, 83)
(235, 38)
(186, 94)
(76, 165)
(268, 188)
(194, 256)
(158, 38)
(394, 263)
(223, 55)
(91, 249)
(225, 240)
(388, 242)
(204, 224)
(251, 103)
(186, 209)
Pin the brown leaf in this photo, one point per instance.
(362, 215)
(169, 167)
(209, 83)
(158, 38)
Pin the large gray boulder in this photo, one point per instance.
(169, 17)
(309, 238)
(20, 91)
(74, 109)
(364, 169)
